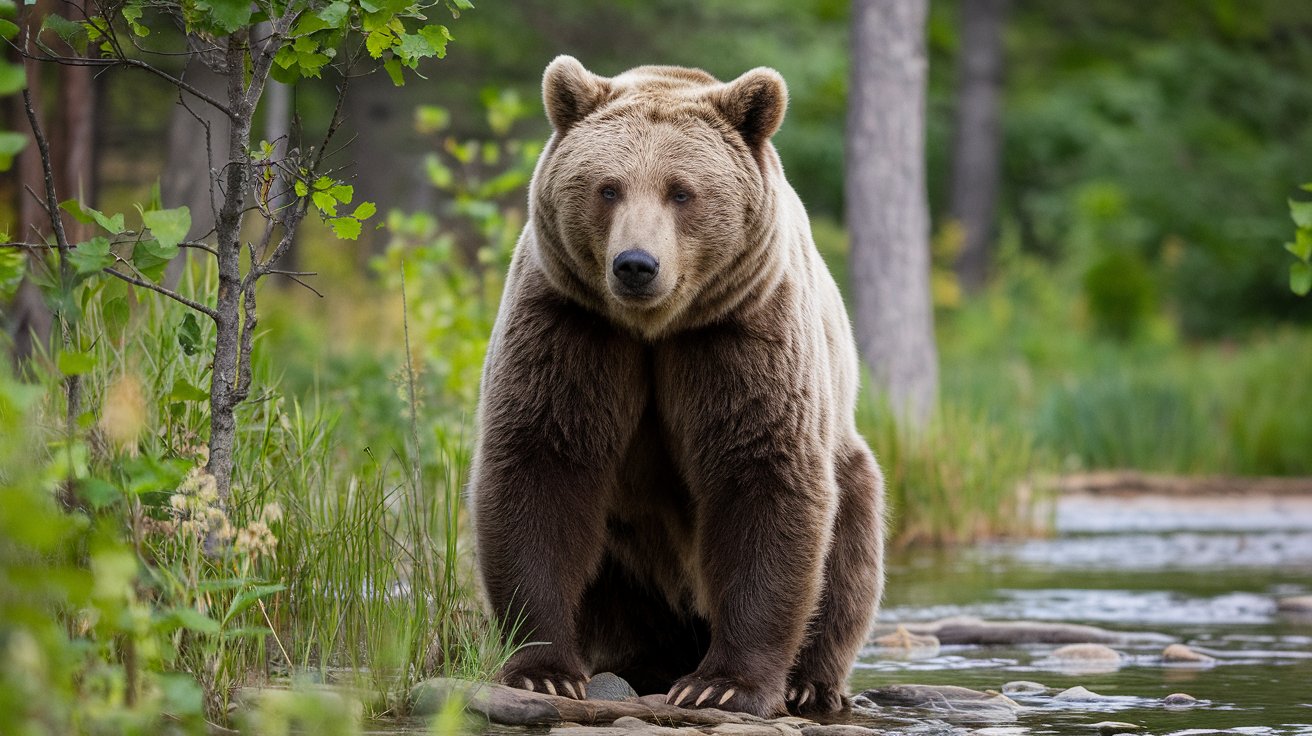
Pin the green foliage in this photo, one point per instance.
(1300, 271)
(1119, 292)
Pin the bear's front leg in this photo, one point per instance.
(744, 415)
(561, 397)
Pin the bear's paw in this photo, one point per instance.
(723, 693)
(815, 697)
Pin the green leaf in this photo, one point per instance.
(335, 13)
(132, 14)
(247, 598)
(8, 29)
(92, 256)
(230, 15)
(97, 492)
(1301, 212)
(186, 617)
(12, 78)
(437, 37)
(309, 24)
(1302, 245)
(116, 313)
(74, 364)
(393, 67)
(1300, 278)
(189, 338)
(168, 226)
(364, 211)
(378, 42)
(184, 391)
(346, 228)
(1306, 187)
(10, 145)
(87, 215)
(301, 188)
(325, 203)
(150, 257)
(13, 264)
(342, 192)
(73, 33)
(413, 48)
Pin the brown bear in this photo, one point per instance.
(668, 482)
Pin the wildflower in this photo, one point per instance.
(124, 415)
(271, 513)
(256, 540)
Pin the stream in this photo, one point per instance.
(1205, 572)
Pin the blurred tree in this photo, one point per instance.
(977, 142)
(886, 203)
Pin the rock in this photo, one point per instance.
(1086, 653)
(1024, 688)
(1078, 694)
(1295, 604)
(1115, 727)
(513, 707)
(610, 686)
(839, 729)
(971, 630)
(1181, 654)
(1179, 699)
(946, 698)
(902, 638)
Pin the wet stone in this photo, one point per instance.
(1179, 699)
(1114, 727)
(1099, 653)
(959, 701)
(1295, 604)
(1078, 694)
(1181, 654)
(610, 686)
(838, 730)
(1024, 688)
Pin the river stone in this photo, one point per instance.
(838, 729)
(610, 686)
(1078, 694)
(1181, 654)
(1114, 727)
(946, 698)
(1024, 688)
(513, 707)
(902, 638)
(1295, 604)
(1100, 653)
(972, 630)
(1179, 699)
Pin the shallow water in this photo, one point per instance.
(1204, 573)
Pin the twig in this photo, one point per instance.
(175, 296)
(291, 275)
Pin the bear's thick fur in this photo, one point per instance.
(669, 483)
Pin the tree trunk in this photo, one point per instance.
(74, 148)
(976, 166)
(886, 203)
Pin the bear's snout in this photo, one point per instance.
(635, 268)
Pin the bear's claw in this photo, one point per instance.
(560, 685)
(717, 692)
(815, 697)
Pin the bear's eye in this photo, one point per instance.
(609, 193)
(681, 196)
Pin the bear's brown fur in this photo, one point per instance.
(669, 483)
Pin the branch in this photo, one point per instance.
(51, 56)
(189, 244)
(52, 201)
(293, 274)
(175, 296)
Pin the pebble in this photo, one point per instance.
(1023, 688)
(1179, 653)
(1087, 653)
(903, 638)
(1078, 694)
(1295, 604)
(1178, 699)
(1115, 727)
(609, 686)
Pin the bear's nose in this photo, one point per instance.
(635, 267)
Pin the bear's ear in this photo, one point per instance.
(570, 92)
(754, 104)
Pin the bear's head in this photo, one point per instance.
(654, 202)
